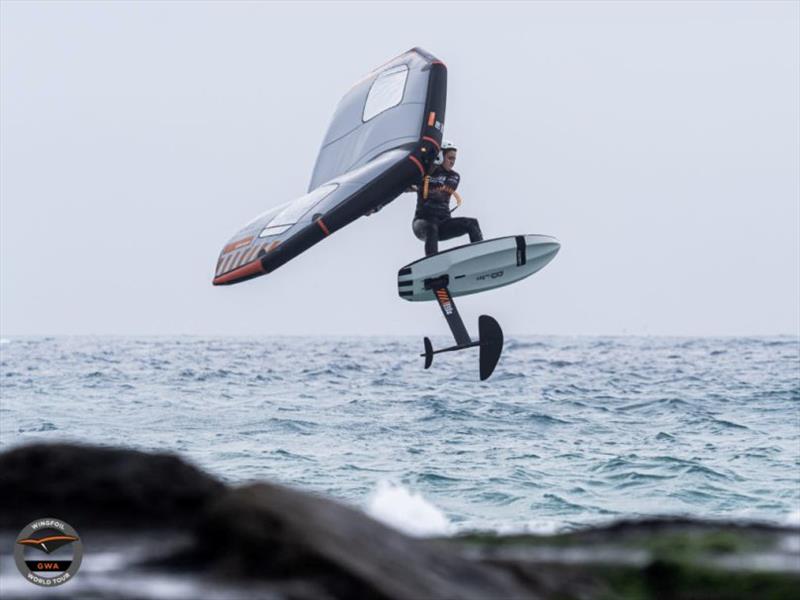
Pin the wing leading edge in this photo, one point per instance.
(384, 135)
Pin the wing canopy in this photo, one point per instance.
(384, 134)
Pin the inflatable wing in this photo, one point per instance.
(384, 135)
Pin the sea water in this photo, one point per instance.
(568, 431)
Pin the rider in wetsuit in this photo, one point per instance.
(432, 220)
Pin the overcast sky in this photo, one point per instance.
(659, 142)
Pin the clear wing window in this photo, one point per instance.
(386, 91)
(295, 210)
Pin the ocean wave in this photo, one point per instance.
(516, 344)
(435, 478)
(291, 425)
(600, 424)
(727, 424)
(627, 478)
(38, 427)
(554, 501)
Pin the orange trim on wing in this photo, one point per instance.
(430, 139)
(323, 227)
(431, 119)
(226, 266)
(419, 164)
(250, 270)
(251, 254)
(235, 260)
(237, 244)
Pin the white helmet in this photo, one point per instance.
(446, 145)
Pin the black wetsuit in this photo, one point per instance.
(432, 220)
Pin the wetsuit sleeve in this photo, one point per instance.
(452, 181)
(450, 184)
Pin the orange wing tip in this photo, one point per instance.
(249, 270)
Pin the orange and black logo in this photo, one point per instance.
(48, 552)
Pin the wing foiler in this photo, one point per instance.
(383, 137)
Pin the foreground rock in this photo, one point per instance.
(101, 487)
(153, 526)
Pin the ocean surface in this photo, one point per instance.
(568, 431)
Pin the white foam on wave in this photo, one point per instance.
(5, 341)
(793, 518)
(407, 511)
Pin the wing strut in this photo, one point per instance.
(490, 335)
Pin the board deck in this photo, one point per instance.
(477, 267)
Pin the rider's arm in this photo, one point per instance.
(453, 179)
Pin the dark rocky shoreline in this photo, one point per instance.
(174, 531)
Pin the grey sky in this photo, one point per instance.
(660, 142)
